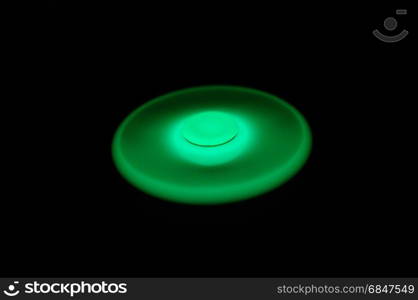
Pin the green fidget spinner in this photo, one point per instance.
(211, 144)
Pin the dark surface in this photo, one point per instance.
(349, 212)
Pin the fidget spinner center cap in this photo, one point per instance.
(210, 129)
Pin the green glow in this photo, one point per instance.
(211, 145)
(210, 129)
(209, 156)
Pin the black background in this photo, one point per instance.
(81, 68)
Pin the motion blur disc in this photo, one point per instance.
(211, 144)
